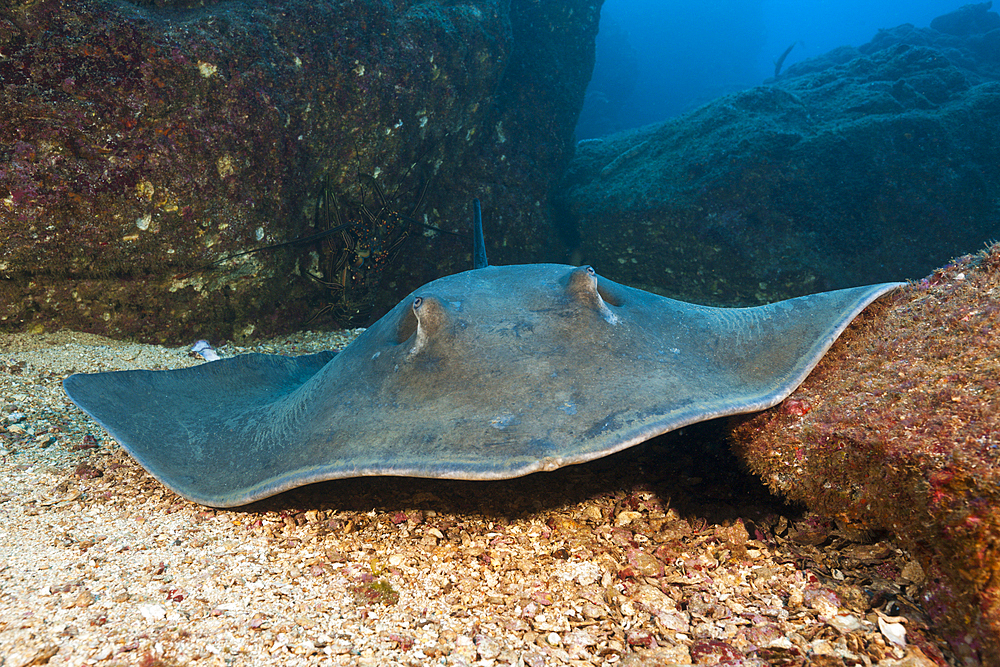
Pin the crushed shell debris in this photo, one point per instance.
(665, 554)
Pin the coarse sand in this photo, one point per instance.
(668, 553)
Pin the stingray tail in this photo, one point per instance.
(479, 260)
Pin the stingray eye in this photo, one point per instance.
(590, 271)
(417, 301)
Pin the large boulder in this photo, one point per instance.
(898, 429)
(863, 165)
(968, 20)
(146, 143)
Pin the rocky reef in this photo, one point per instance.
(898, 429)
(863, 165)
(143, 143)
(968, 20)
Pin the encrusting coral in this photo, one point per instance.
(898, 429)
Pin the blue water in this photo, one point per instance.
(660, 58)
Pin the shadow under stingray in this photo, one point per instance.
(691, 470)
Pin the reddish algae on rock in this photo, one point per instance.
(145, 145)
(903, 434)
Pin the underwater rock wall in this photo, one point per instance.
(898, 429)
(861, 166)
(143, 143)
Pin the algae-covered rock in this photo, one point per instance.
(898, 428)
(864, 165)
(142, 143)
(968, 20)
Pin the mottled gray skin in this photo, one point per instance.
(488, 374)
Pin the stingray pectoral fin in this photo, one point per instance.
(766, 352)
(186, 426)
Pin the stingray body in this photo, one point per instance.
(492, 373)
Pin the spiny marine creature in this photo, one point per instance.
(357, 243)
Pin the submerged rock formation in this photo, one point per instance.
(143, 142)
(968, 20)
(864, 165)
(898, 429)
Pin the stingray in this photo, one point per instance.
(493, 373)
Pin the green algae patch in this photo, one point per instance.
(379, 591)
(898, 428)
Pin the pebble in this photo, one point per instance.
(341, 647)
(488, 648)
(24, 656)
(913, 572)
(894, 632)
(84, 599)
(543, 623)
(152, 612)
(647, 564)
(626, 517)
(845, 623)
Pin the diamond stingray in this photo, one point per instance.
(492, 373)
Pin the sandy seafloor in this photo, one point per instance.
(665, 554)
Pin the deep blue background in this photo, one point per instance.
(659, 58)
